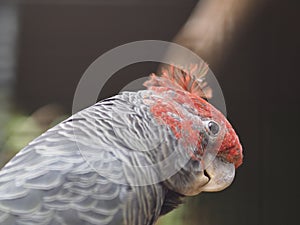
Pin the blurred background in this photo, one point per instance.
(252, 46)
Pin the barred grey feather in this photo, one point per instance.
(51, 181)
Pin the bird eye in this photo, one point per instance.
(213, 127)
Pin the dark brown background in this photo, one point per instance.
(259, 77)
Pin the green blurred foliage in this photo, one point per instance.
(173, 218)
(20, 129)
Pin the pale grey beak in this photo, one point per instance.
(221, 175)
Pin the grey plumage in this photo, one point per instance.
(77, 172)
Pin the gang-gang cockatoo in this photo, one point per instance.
(126, 160)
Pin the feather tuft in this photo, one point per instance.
(191, 79)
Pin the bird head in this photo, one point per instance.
(212, 143)
(219, 147)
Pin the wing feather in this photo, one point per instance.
(51, 182)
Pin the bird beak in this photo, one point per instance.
(221, 175)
